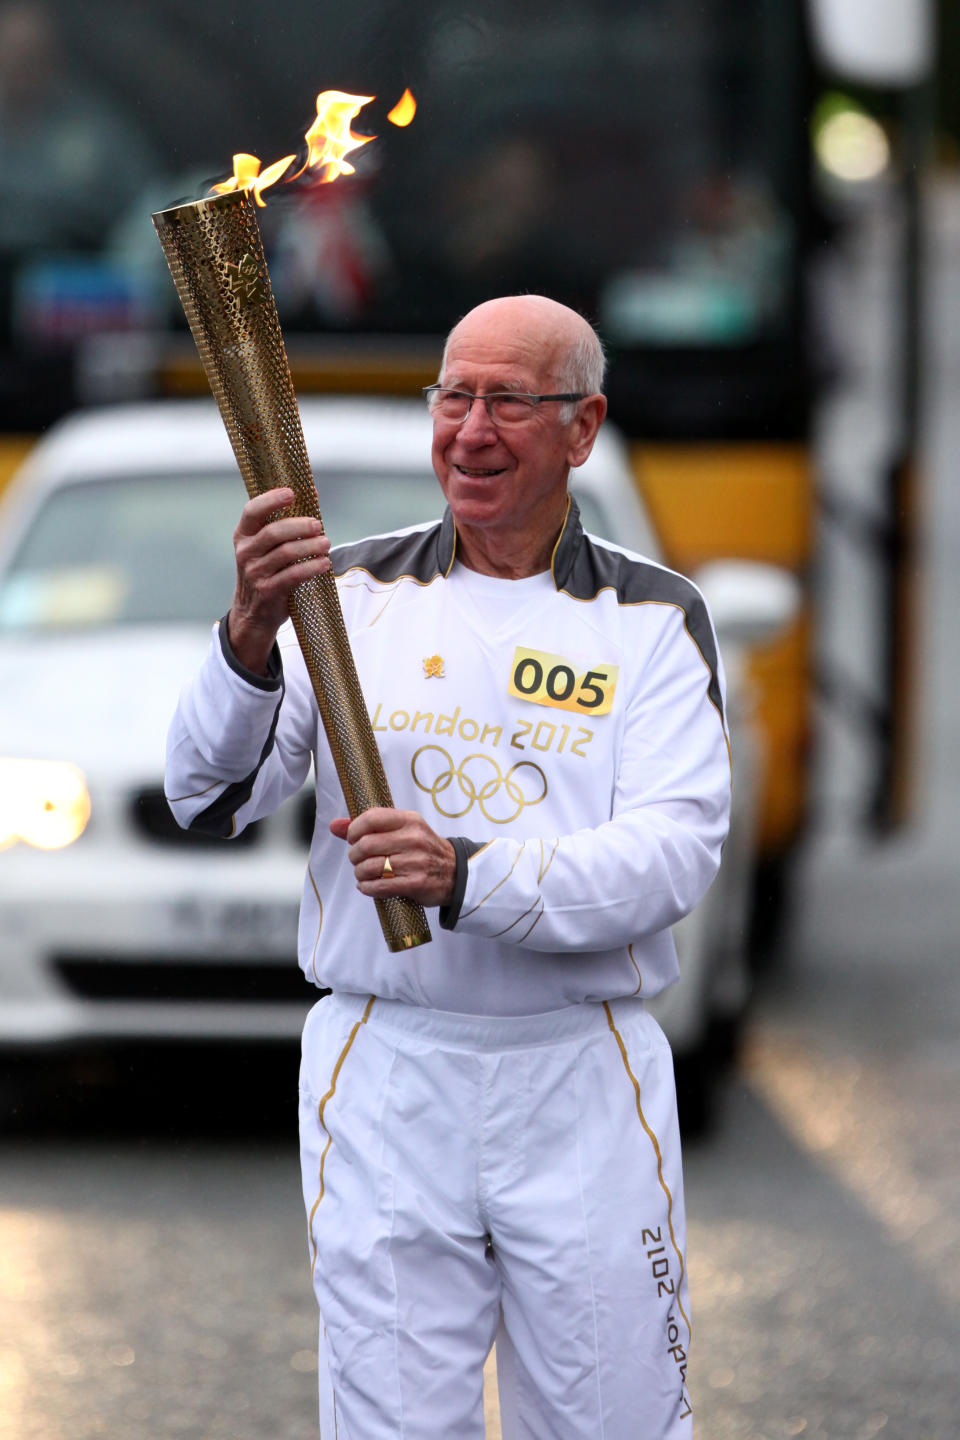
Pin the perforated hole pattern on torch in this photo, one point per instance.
(215, 254)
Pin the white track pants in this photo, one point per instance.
(462, 1173)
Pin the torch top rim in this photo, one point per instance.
(230, 200)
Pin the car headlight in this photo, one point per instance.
(42, 802)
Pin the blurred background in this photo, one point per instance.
(758, 203)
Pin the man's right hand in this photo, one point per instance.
(273, 558)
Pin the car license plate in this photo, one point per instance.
(266, 927)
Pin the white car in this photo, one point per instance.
(115, 559)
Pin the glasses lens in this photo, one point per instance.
(451, 404)
(503, 408)
(506, 409)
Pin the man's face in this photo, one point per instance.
(511, 479)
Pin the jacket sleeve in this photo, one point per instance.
(239, 744)
(648, 865)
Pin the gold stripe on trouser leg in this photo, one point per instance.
(320, 1109)
(656, 1146)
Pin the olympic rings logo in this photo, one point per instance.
(479, 780)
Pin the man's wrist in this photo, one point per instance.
(268, 676)
(250, 645)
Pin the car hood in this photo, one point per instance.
(103, 701)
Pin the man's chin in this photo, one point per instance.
(475, 514)
(477, 501)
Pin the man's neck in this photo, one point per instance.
(488, 556)
(509, 554)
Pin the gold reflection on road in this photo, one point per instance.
(853, 1116)
(20, 1279)
(491, 1403)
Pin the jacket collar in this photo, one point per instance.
(562, 561)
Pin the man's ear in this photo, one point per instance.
(587, 422)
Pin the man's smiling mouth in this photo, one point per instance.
(473, 473)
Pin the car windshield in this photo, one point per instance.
(158, 549)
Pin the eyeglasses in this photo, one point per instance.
(504, 407)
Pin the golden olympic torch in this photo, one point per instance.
(215, 253)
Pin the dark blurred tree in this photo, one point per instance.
(948, 77)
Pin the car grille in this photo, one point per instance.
(153, 818)
(159, 978)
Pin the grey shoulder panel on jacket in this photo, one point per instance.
(636, 581)
(420, 554)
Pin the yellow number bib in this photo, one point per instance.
(551, 680)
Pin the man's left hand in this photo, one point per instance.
(423, 865)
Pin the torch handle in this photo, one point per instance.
(215, 254)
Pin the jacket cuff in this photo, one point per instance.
(273, 680)
(463, 848)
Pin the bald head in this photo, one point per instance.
(568, 347)
(504, 472)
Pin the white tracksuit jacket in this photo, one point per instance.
(567, 730)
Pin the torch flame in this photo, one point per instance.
(404, 110)
(246, 176)
(329, 141)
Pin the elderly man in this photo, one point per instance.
(488, 1123)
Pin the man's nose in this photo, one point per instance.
(476, 426)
